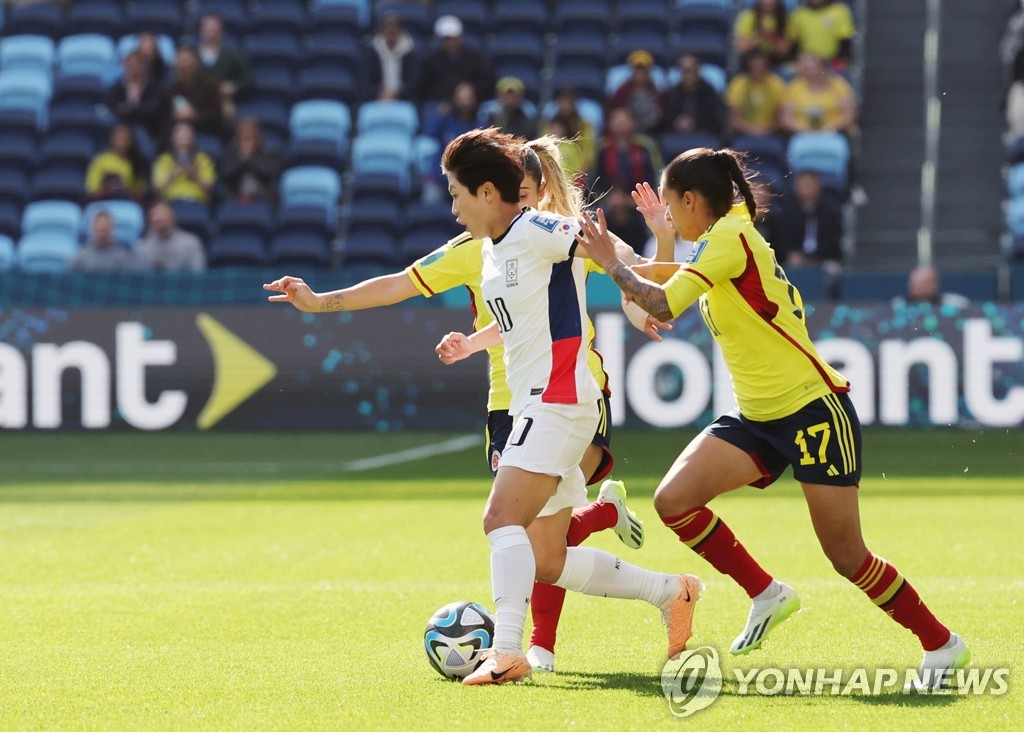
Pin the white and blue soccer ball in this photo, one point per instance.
(456, 637)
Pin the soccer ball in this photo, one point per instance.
(456, 637)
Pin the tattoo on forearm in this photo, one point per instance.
(333, 302)
(646, 294)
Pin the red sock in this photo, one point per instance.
(547, 600)
(589, 520)
(887, 588)
(705, 533)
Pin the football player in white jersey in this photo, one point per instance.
(533, 286)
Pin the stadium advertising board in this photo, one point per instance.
(275, 368)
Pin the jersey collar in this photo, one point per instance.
(497, 239)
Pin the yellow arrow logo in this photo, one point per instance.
(239, 371)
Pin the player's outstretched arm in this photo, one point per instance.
(457, 346)
(648, 295)
(372, 293)
(654, 210)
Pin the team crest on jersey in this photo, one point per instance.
(698, 249)
(545, 222)
(511, 272)
(495, 459)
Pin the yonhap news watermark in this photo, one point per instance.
(695, 679)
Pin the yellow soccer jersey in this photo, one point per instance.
(757, 317)
(458, 264)
(820, 30)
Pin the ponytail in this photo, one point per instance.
(560, 196)
(719, 175)
(731, 164)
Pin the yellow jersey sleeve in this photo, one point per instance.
(450, 266)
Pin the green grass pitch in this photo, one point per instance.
(255, 582)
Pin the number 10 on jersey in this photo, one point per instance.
(500, 312)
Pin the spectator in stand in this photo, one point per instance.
(119, 171)
(166, 247)
(136, 98)
(577, 135)
(511, 117)
(183, 172)
(102, 253)
(461, 116)
(763, 27)
(623, 219)
(154, 61)
(249, 170)
(692, 105)
(924, 285)
(453, 62)
(625, 158)
(824, 28)
(223, 63)
(639, 93)
(755, 97)
(393, 63)
(808, 227)
(817, 99)
(195, 96)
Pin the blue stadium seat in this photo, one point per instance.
(278, 15)
(129, 219)
(253, 218)
(27, 53)
(710, 48)
(316, 220)
(22, 89)
(713, 16)
(13, 186)
(18, 151)
(63, 181)
(765, 148)
(769, 173)
(236, 249)
(472, 13)
(417, 244)
(426, 151)
(311, 185)
(271, 49)
(192, 216)
(164, 44)
(582, 48)
(388, 118)
(157, 16)
(46, 252)
(384, 155)
(372, 217)
(210, 144)
(87, 54)
(519, 48)
(8, 258)
(673, 143)
(319, 133)
(1017, 280)
(435, 218)
(325, 83)
(826, 153)
(292, 249)
(526, 16)
(67, 147)
(655, 43)
(52, 217)
(585, 17)
(10, 219)
(344, 15)
(272, 115)
(82, 116)
(234, 13)
(275, 84)
(97, 16)
(1015, 180)
(376, 248)
(42, 19)
(80, 88)
(643, 16)
(584, 79)
(354, 272)
(333, 50)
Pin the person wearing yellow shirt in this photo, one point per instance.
(459, 263)
(824, 28)
(764, 27)
(755, 96)
(794, 409)
(184, 172)
(818, 100)
(119, 171)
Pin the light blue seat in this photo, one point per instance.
(384, 154)
(825, 153)
(1015, 181)
(588, 109)
(87, 54)
(8, 257)
(1015, 217)
(164, 44)
(395, 117)
(58, 217)
(311, 185)
(28, 85)
(46, 252)
(426, 151)
(129, 220)
(361, 8)
(618, 75)
(27, 53)
(711, 73)
(321, 119)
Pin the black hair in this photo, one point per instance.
(480, 156)
(718, 175)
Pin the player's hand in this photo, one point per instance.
(652, 206)
(594, 238)
(643, 321)
(454, 347)
(293, 290)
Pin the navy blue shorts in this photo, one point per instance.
(821, 441)
(499, 426)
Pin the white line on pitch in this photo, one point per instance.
(456, 444)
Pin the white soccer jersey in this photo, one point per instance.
(535, 289)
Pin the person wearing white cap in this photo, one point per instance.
(450, 63)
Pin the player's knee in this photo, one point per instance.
(672, 500)
(846, 557)
(549, 569)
